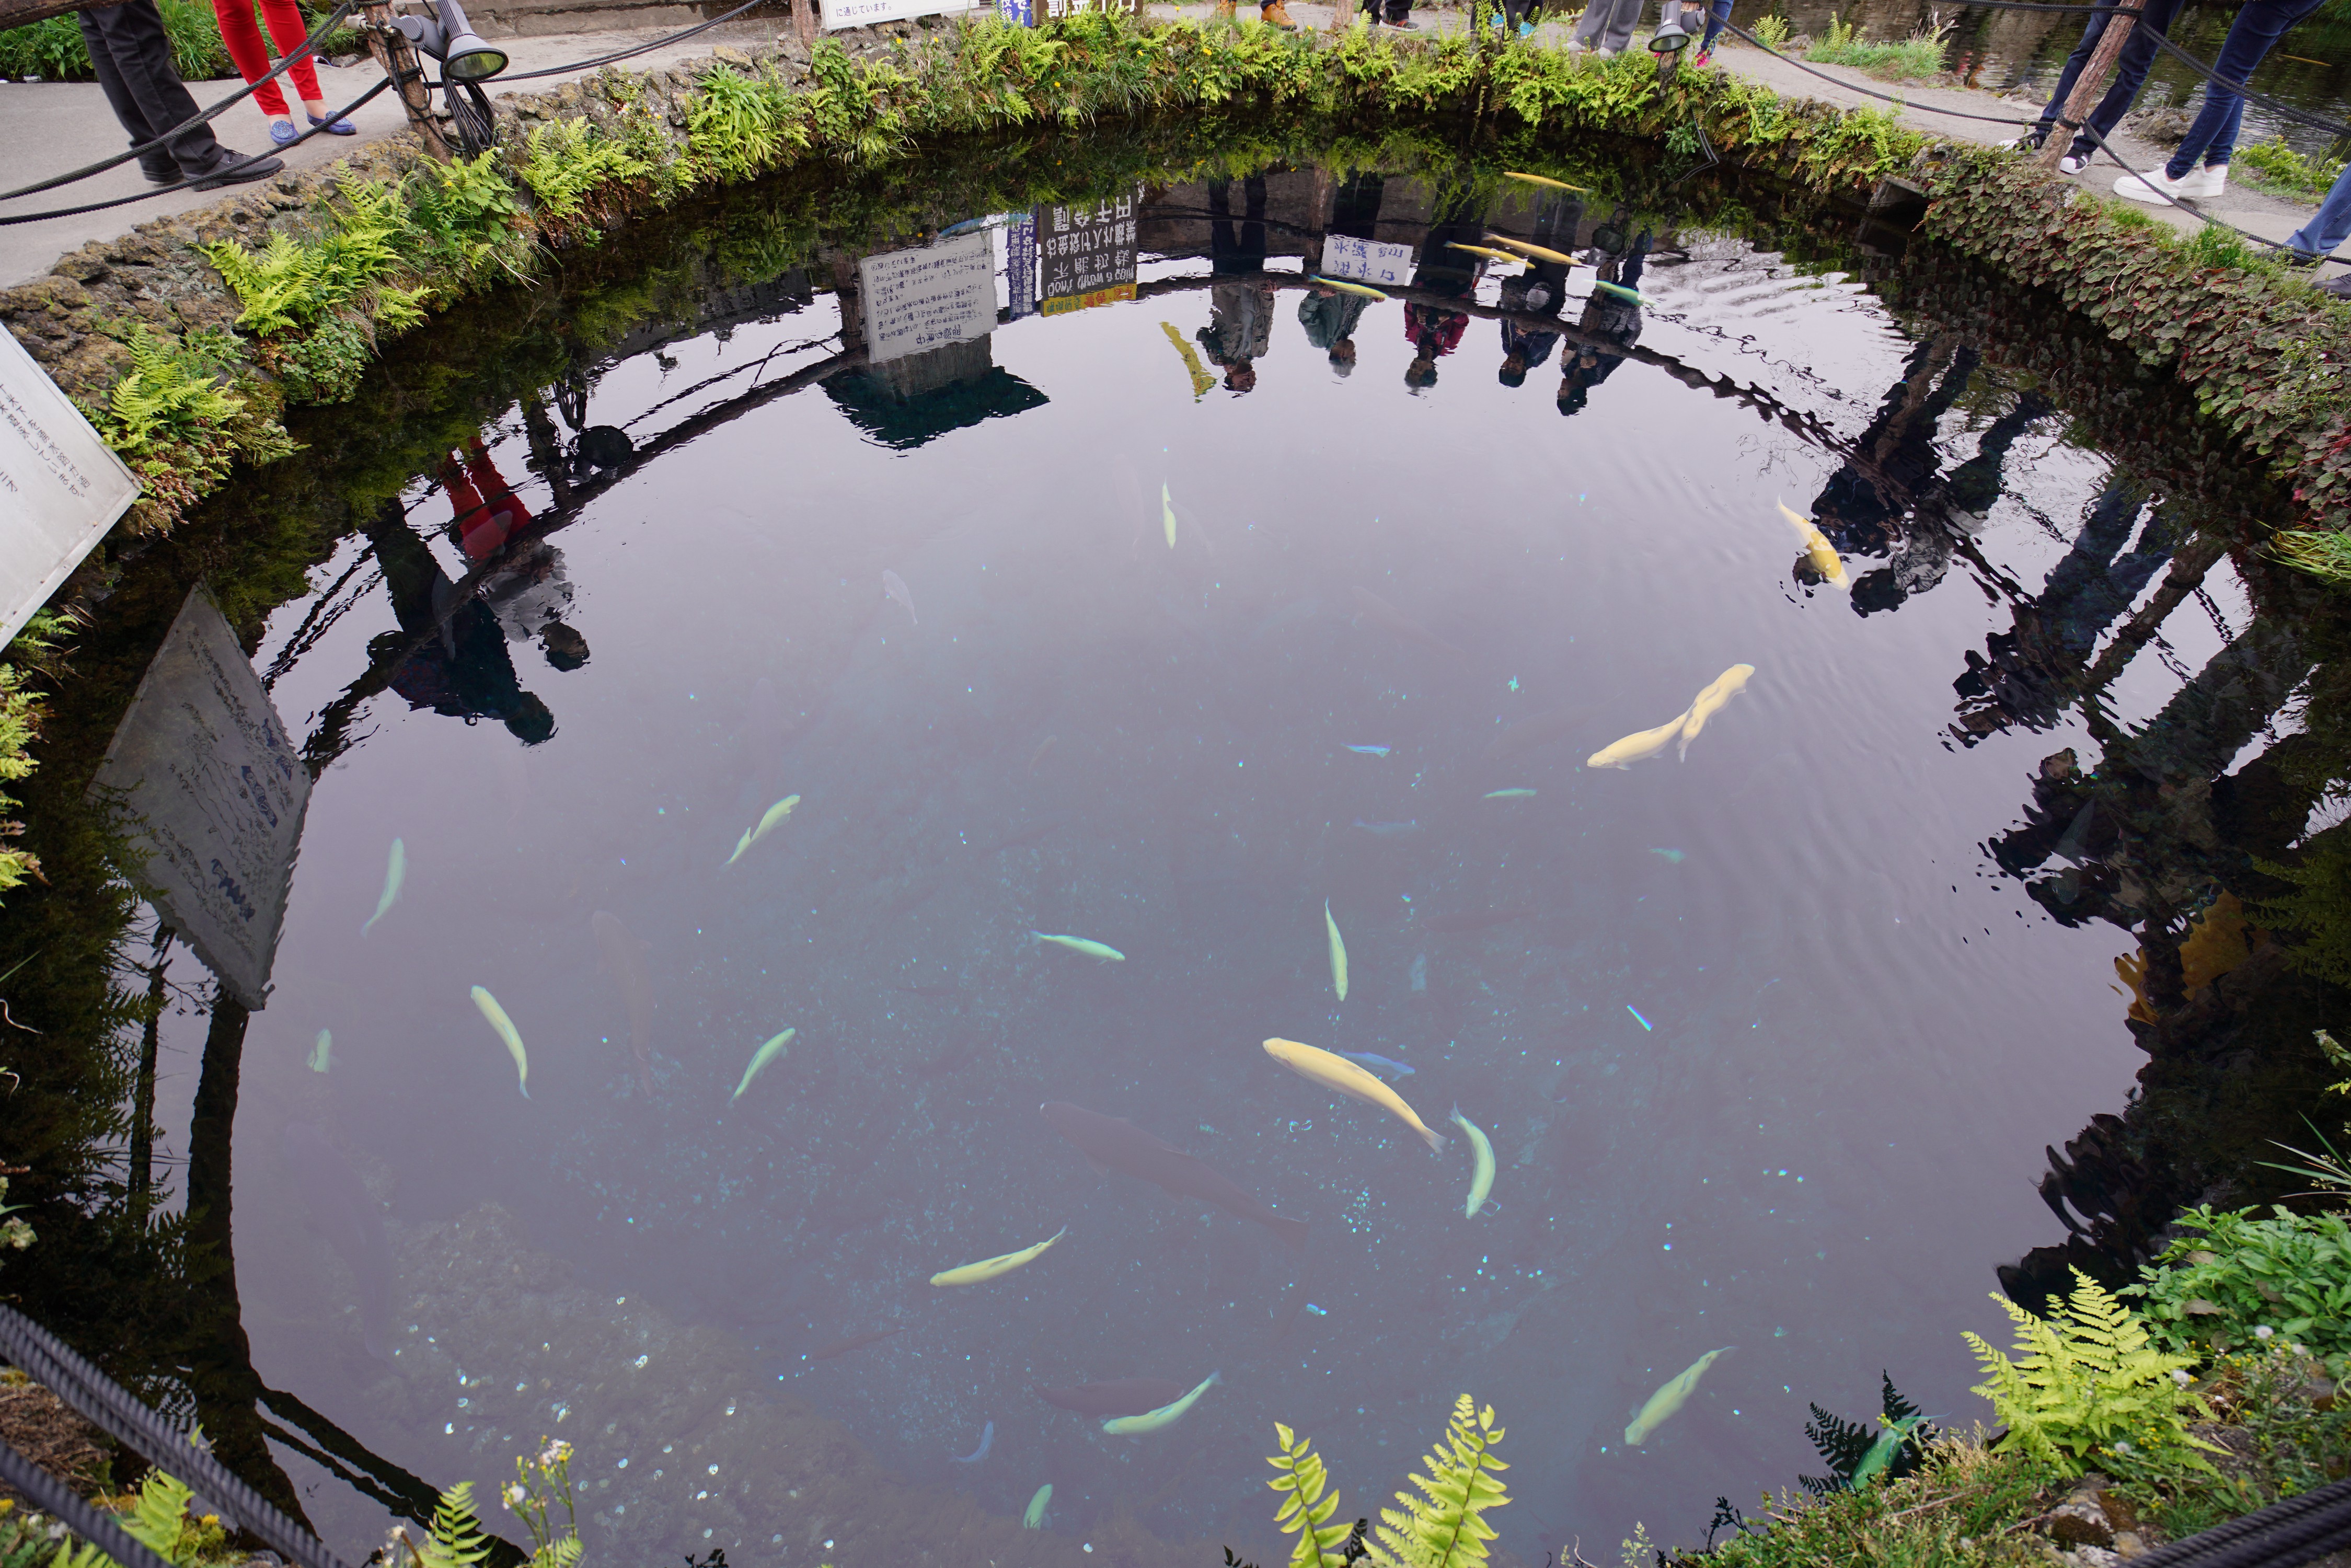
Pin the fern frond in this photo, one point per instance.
(561, 1554)
(1444, 1527)
(1305, 1507)
(157, 1518)
(455, 1539)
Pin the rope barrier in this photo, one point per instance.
(54, 1498)
(2279, 1536)
(300, 52)
(603, 60)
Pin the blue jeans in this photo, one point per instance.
(2130, 74)
(1717, 14)
(2331, 227)
(2259, 26)
(2091, 32)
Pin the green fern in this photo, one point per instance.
(1444, 1527)
(159, 1516)
(456, 1538)
(1305, 1508)
(2088, 1379)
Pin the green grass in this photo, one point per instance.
(1920, 55)
(2275, 166)
(53, 50)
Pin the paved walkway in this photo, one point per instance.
(61, 125)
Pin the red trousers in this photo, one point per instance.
(288, 26)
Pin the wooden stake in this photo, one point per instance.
(2090, 87)
(397, 55)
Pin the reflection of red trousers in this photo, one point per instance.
(252, 57)
(487, 513)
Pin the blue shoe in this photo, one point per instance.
(281, 132)
(339, 128)
(1526, 29)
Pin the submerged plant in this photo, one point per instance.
(1844, 1445)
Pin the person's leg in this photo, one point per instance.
(2094, 29)
(241, 35)
(1717, 14)
(131, 55)
(2330, 226)
(2256, 30)
(1626, 16)
(287, 29)
(2130, 75)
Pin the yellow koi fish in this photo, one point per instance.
(1106, 953)
(1487, 251)
(1335, 1073)
(760, 1059)
(507, 1031)
(1157, 1420)
(1201, 380)
(1338, 952)
(1361, 290)
(1638, 746)
(1167, 511)
(775, 813)
(1725, 686)
(1539, 252)
(1621, 292)
(1034, 1518)
(1543, 180)
(1481, 1178)
(990, 1267)
(1670, 1399)
(1817, 549)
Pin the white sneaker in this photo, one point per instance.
(2204, 181)
(2069, 164)
(1605, 53)
(2156, 188)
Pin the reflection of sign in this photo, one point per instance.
(1366, 260)
(1020, 265)
(1017, 12)
(1084, 250)
(839, 13)
(214, 796)
(1064, 304)
(61, 487)
(919, 299)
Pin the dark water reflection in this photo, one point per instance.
(1769, 1039)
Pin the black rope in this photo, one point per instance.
(2213, 76)
(121, 1415)
(201, 181)
(2279, 1536)
(54, 1498)
(303, 51)
(602, 60)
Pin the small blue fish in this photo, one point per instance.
(1673, 857)
(1379, 1064)
(1384, 828)
(1644, 1023)
(1318, 1311)
(987, 1435)
(1369, 750)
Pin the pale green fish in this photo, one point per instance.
(1167, 511)
(1670, 1399)
(1362, 290)
(322, 1053)
(1511, 794)
(393, 875)
(1103, 951)
(775, 813)
(1338, 954)
(505, 1026)
(1157, 1420)
(1482, 1181)
(760, 1057)
(1034, 1518)
(1621, 292)
(1881, 1452)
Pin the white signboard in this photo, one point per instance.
(1366, 260)
(840, 13)
(215, 797)
(919, 299)
(60, 487)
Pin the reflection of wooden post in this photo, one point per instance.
(844, 292)
(2090, 87)
(397, 55)
(1319, 223)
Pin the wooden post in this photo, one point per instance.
(2090, 87)
(1342, 15)
(804, 21)
(397, 55)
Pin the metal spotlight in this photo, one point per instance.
(1670, 38)
(451, 39)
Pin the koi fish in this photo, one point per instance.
(1723, 687)
(1033, 1517)
(1378, 1063)
(1201, 380)
(1881, 1452)
(1817, 549)
(1543, 180)
(1621, 292)
(775, 813)
(895, 587)
(1338, 952)
(490, 1009)
(1040, 754)
(322, 1053)
(1337, 1074)
(991, 1268)
(394, 874)
(1489, 252)
(1167, 514)
(1670, 1399)
(760, 1059)
(1389, 830)
(1509, 795)
(1638, 746)
(987, 1440)
(1158, 1420)
(1540, 253)
(1481, 1178)
(1108, 955)
(1370, 750)
(1362, 290)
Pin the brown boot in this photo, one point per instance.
(1276, 14)
(1223, 13)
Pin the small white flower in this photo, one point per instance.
(2122, 1445)
(2179, 1378)
(514, 1495)
(2263, 1331)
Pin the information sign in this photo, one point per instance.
(61, 488)
(840, 13)
(1366, 260)
(1085, 253)
(916, 301)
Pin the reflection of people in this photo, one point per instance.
(529, 594)
(1240, 314)
(487, 513)
(1330, 318)
(461, 668)
(1607, 316)
(1433, 330)
(1541, 290)
(1862, 507)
